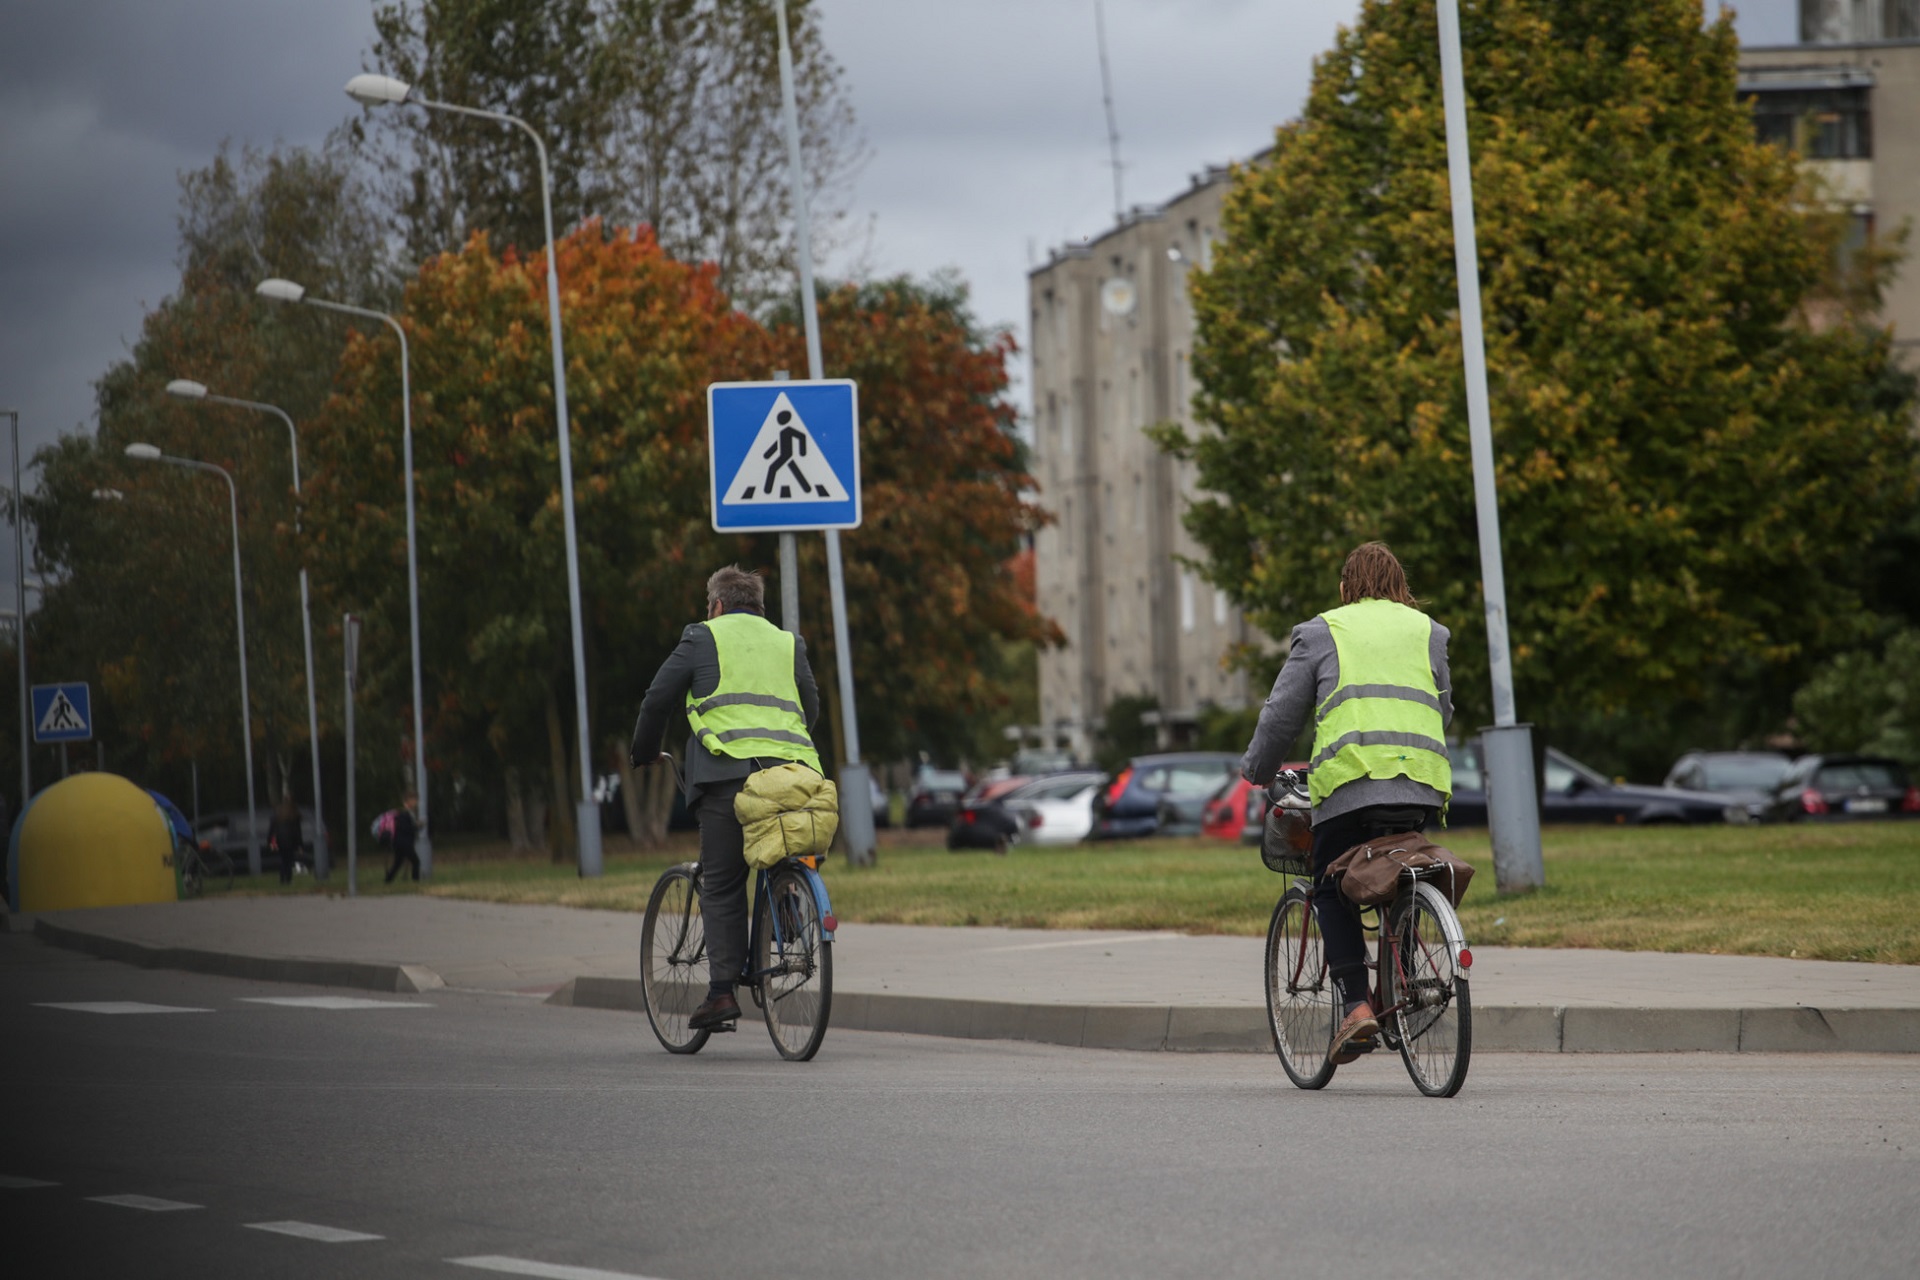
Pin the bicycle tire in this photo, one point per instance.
(1435, 1020)
(191, 877)
(796, 972)
(673, 959)
(216, 870)
(1301, 1005)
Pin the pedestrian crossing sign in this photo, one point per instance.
(784, 456)
(62, 713)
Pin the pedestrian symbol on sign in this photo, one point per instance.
(783, 464)
(61, 717)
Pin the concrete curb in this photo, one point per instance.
(1243, 1028)
(360, 975)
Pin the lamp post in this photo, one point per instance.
(288, 291)
(376, 90)
(148, 453)
(20, 614)
(186, 389)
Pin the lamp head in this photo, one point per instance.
(373, 91)
(187, 389)
(143, 452)
(280, 290)
(109, 495)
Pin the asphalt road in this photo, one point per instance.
(455, 1126)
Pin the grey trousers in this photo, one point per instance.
(723, 883)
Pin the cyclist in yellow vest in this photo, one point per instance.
(748, 695)
(1371, 678)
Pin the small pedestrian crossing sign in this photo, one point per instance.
(784, 456)
(62, 713)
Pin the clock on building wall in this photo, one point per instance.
(1118, 296)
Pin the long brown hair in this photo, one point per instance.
(1373, 572)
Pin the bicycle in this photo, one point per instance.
(789, 957)
(1420, 988)
(201, 864)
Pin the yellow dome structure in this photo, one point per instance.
(94, 840)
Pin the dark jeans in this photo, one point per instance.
(401, 858)
(1339, 919)
(723, 883)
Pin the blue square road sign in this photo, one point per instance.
(784, 456)
(62, 713)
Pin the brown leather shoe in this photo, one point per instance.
(715, 1014)
(1354, 1036)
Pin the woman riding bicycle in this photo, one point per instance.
(1372, 678)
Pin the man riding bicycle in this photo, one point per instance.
(1372, 676)
(749, 698)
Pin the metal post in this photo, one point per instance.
(856, 809)
(194, 765)
(20, 618)
(789, 566)
(246, 710)
(63, 762)
(1513, 813)
(350, 636)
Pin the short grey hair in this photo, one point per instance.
(736, 590)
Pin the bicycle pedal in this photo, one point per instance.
(731, 1024)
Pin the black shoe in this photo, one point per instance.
(715, 1013)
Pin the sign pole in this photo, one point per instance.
(856, 809)
(1513, 810)
(20, 617)
(789, 567)
(350, 634)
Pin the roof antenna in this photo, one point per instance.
(1106, 97)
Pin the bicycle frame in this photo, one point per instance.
(762, 892)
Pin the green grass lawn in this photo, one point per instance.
(1839, 892)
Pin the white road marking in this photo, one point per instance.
(121, 1006)
(150, 1203)
(333, 1002)
(313, 1231)
(545, 1270)
(9, 1182)
(1091, 942)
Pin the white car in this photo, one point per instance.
(1056, 810)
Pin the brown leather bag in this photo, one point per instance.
(1368, 874)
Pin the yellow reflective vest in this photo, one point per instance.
(754, 712)
(1382, 719)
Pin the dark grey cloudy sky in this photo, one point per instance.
(984, 118)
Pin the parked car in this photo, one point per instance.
(1828, 788)
(1746, 778)
(1057, 809)
(982, 821)
(1572, 792)
(935, 795)
(882, 804)
(1231, 809)
(227, 831)
(1174, 786)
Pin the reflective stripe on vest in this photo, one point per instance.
(754, 712)
(1382, 719)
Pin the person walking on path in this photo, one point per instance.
(1371, 677)
(749, 698)
(285, 839)
(406, 832)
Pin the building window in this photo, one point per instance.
(1820, 124)
(1186, 600)
(1139, 504)
(1219, 607)
(1066, 527)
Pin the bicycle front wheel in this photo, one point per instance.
(1435, 1012)
(794, 962)
(673, 959)
(1301, 1007)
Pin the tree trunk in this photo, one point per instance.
(657, 807)
(519, 836)
(560, 837)
(629, 794)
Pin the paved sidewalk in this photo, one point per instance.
(1098, 989)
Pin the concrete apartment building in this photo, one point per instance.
(1112, 330)
(1847, 96)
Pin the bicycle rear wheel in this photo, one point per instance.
(673, 959)
(216, 870)
(1435, 1014)
(795, 968)
(1301, 1007)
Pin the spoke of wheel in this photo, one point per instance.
(1299, 992)
(1431, 1013)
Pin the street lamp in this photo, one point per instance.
(376, 90)
(149, 453)
(288, 291)
(186, 389)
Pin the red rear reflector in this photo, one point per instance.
(828, 923)
(1466, 958)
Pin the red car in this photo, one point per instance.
(1238, 809)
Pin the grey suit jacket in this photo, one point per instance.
(694, 667)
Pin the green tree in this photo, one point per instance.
(1859, 701)
(1697, 432)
